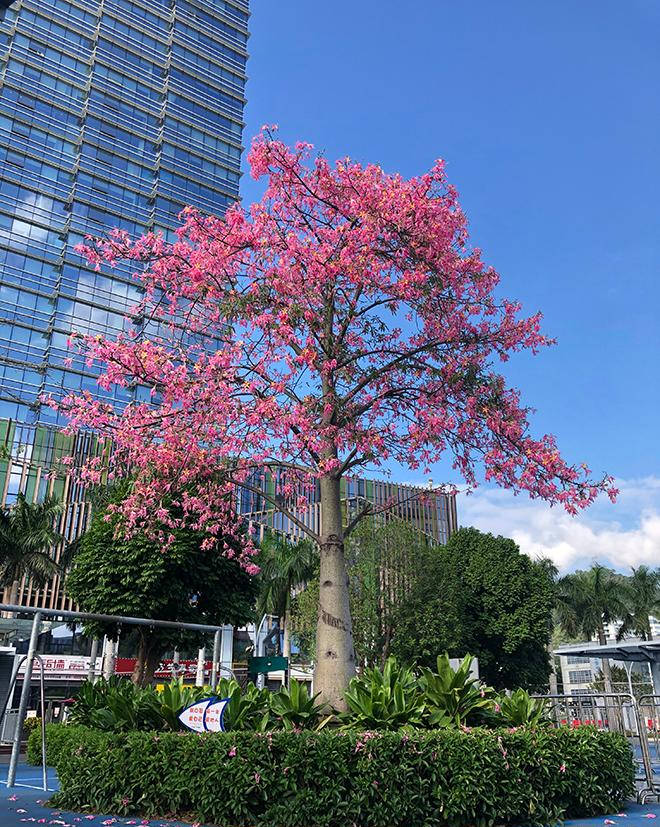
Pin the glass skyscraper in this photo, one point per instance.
(113, 113)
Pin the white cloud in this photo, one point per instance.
(621, 535)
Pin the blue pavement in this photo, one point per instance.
(25, 804)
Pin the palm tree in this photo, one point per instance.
(552, 572)
(27, 536)
(284, 566)
(586, 601)
(643, 599)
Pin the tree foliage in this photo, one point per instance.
(382, 559)
(284, 565)
(587, 600)
(352, 326)
(641, 594)
(28, 534)
(480, 595)
(119, 575)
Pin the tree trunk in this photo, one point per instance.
(12, 598)
(147, 660)
(286, 642)
(335, 656)
(552, 677)
(613, 713)
(607, 672)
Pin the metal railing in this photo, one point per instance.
(70, 615)
(18, 723)
(617, 712)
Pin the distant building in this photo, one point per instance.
(579, 672)
(433, 513)
(27, 465)
(112, 114)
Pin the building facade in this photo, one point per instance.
(27, 468)
(432, 512)
(113, 113)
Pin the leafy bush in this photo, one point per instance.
(328, 779)
(30, 724)
(116, 705)
(294, 707)
(248, 708)
(452, 697)
(387, 699)
(174, 698)
(520, 709)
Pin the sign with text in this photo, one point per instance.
(62, 667)
(205, 715)
(185, 668)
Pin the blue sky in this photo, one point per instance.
(547, 115)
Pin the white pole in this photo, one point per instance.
(201, 657)
(215, 666)
(109, 656)
(91, 671)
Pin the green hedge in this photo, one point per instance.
(289, 779)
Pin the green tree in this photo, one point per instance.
(133, 576)
(28, 535)
(381, 559)
(304, 613)
(641, 684)
(642, 598)
(285, 566)
(480, 595)
(586, 601)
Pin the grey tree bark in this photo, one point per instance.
(286, 642)
(335, 656)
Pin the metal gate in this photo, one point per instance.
(638, 721)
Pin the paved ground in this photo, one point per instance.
(25, 804)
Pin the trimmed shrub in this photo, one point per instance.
(306, 779)
(30, 724)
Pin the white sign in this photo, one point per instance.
(213, 717)
(205, 716)
(62, 667)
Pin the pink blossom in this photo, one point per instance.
(232, 752)
(562, 768)
(349, 326)
(257, 778)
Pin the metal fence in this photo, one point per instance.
(649, 707)
(636, 719)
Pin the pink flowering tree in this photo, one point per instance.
(339, 323)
